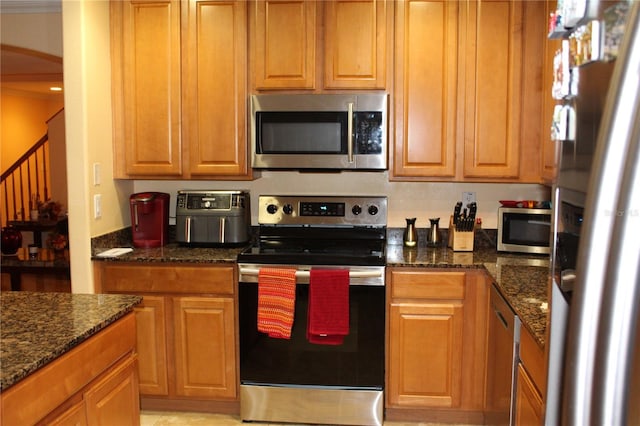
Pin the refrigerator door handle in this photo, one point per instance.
(620, 302)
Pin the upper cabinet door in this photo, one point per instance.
(493, 54)
(355, 35)
(214, 77)
(284, 44)
(146, 66)
(425, 88)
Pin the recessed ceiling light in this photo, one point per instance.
(55, 89)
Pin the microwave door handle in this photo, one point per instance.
(187, 229)
(350, 139)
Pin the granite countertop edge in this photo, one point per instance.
(37, 328)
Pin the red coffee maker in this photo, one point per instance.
(149, 219)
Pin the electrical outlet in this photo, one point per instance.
(468, 198)
(97, 206)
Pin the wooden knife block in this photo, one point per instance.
(460, 240)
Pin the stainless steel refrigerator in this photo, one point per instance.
(594, 345)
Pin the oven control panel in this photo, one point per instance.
(321, 210)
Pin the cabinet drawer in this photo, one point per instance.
(168, 279)
(423, 284)
(532, 357)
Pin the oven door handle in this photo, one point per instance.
(306, 274)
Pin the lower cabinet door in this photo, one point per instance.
(152, 347)
(425, 354)
(205, 350)
(115, 399)
(529, 406)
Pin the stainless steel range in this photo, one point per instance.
(295, 379)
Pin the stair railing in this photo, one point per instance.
(25, 180)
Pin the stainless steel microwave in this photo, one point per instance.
(330, 132)
(524, 230)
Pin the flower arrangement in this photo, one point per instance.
(57, 241)
(50, 210)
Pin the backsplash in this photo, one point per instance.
(422, 200)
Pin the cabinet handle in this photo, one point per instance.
(501, 318)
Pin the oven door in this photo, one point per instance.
(358, 363)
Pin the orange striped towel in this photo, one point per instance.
(276, 301)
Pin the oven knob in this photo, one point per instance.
(356, 210)
(207, 204)
(272, 209)
(287, 209)
(373, 210)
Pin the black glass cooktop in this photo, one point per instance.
(318, 246)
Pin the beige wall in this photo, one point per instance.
(23, 120)
(87, 82)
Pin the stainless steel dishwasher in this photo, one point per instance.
(502, 359)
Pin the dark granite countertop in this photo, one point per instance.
(39, 327)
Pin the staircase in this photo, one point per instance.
(33, 190)
(33, 194)
(24, 185)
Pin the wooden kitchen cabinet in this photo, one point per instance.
(145, 46)
(531, 382)
(152, 345)
(436, 337)
(109, 401)
(468, 103)
(186, 332)
(284, 44)
(179, 89)
(309, 45)
(204, 347)
(95, 383)
(355, 43)
(426, 87)
(492, 88)
(529, 406)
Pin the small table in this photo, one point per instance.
(47, 262)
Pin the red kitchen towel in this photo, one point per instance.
(276, 301)
(328, 311)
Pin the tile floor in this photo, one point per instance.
(152, 418)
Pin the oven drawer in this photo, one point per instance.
(419, 283)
